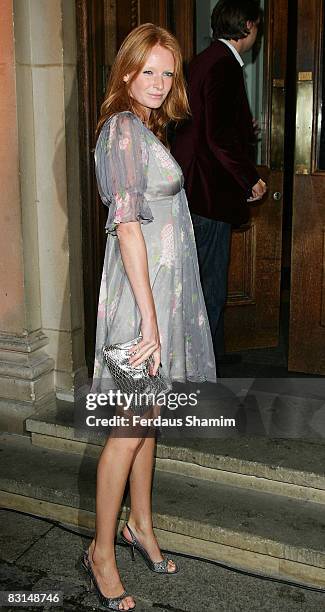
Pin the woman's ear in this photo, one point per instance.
(126, 78)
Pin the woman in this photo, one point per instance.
(150, 282)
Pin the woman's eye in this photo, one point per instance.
(165, 74)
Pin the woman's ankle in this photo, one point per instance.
(143, 526)
(103, 555)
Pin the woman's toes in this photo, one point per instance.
(172, 565)
(130, 603)
(127, 604)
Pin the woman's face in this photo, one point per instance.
(153, 83)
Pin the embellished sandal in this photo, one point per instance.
(112, 603)
(160, 567)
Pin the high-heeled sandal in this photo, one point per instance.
(112, 603)
(160, 567)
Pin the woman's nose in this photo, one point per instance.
(159, 82)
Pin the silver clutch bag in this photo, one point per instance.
(131, 379)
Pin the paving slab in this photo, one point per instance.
(198, 586)
(14, 543)
(74, 595)
(53, 553)
(13, 577)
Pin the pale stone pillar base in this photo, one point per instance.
(26, 378)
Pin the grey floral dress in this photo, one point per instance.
(138, 179)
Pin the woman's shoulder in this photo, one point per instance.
(121, 121)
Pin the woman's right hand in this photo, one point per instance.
(149, 345)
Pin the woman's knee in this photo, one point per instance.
(127, 444)
(133, 444)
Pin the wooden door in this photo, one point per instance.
(307, 299)
(253, 304)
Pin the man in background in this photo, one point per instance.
(215, 151)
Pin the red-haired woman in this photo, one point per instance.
(150, 282)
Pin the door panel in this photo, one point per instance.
(91, 59)
(252, 314)
(131, 13)
(307, 300)
(253, 304)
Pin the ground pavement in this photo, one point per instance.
(39, 555)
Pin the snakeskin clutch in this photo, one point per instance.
(131, 379)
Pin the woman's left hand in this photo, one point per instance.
(149, 346)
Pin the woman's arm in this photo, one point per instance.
(121, 168)
(134, 256)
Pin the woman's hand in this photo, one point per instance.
(149, 345)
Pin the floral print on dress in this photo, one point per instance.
(162, 155)
(169, 170)
(167, 242)
(176, 299)
(122, 206)
(112, 306)
(111, 137)
(124, 143)
(102, 310)
(144, 156)
(201, 318)
(97, 368)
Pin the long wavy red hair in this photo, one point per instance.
(130, 59)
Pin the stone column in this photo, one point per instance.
(41, 313)
(46, 57)
(26, 371)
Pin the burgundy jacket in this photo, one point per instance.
(215, 146)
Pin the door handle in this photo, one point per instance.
(277, 195)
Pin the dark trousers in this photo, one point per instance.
(213, 245)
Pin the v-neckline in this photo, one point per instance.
(153, 136)
(163, 146)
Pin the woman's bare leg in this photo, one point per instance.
(140, 519)
(112, 472)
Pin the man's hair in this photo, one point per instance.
(229, 17)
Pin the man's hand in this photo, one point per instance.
(258, 191)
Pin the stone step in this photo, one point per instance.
(294, 468)
(267, 534)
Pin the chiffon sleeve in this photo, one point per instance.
(121, 162)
